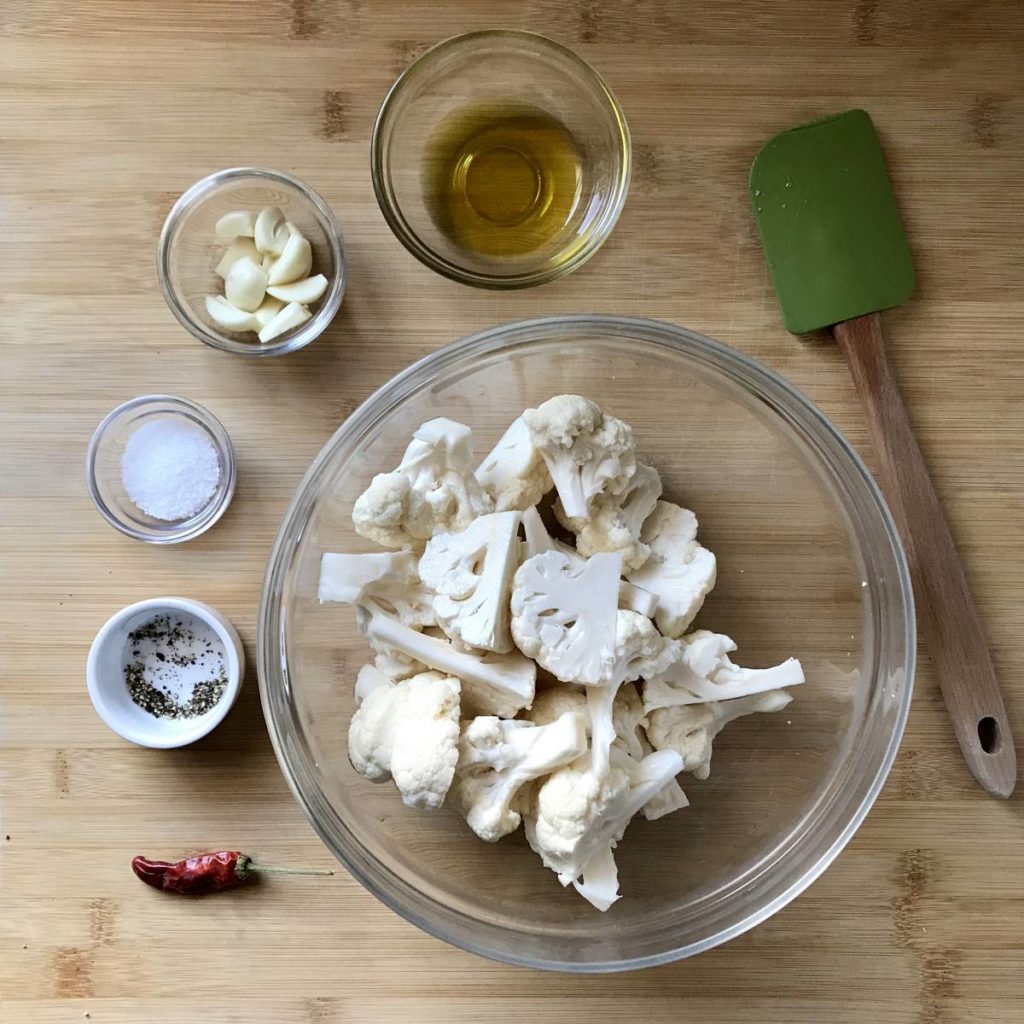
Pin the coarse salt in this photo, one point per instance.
(169, 470)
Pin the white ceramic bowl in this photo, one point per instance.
(110, 697)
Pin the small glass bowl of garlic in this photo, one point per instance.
(252, 261)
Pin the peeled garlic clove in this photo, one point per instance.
(271, 231)
(294, 263)
(269, 308)
(306, 291)
(238, 249)
(268, 262)
(291, 316)
(245, 285)
(231, 318)
(236, 223)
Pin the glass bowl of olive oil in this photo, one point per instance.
(501, 159)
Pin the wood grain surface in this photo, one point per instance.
(108, 110)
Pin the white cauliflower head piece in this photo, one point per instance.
(389, 578)
(410, 731)
(630, 724)
(571, 802)
(678, 570)
(563, 614)
(586, 452)
(432, 489)
(388, 513)
(514, 474)
(549, 705)
(616, 521)
(702, 671)
(471, 573)
(690, 729)
(580, 817)
(497, 758)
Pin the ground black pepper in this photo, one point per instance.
(163, 705)
(180, 648)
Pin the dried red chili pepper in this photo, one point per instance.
(208, 872)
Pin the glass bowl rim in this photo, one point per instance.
(396, 220)
(393, 891)
(189, 528)
(328, 308)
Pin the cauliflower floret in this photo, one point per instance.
(702, 672)
(630, 722)
(389, 578)
(387, 514)
(640, 650)
(690, 729)
(410, 731)
(678, 570)
(432, 489)
(471, 572)
(496, 758)
(514, 474)
(563, 614)
(368, 679)
(616, 522)
(549, 705)
(586, 452)
(500, 684)
(580, 818)
(538, 540)
(568, 803)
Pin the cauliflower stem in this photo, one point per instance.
(500, 683)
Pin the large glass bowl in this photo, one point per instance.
(809, 565)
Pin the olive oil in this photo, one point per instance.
(502, 181)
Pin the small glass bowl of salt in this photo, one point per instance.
(161, 469)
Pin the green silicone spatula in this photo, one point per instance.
(838, 255)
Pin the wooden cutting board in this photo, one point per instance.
(108, 111)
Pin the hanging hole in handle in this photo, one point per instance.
(988, 735)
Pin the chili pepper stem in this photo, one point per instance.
(285, 871)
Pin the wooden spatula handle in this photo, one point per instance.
(946, 612)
